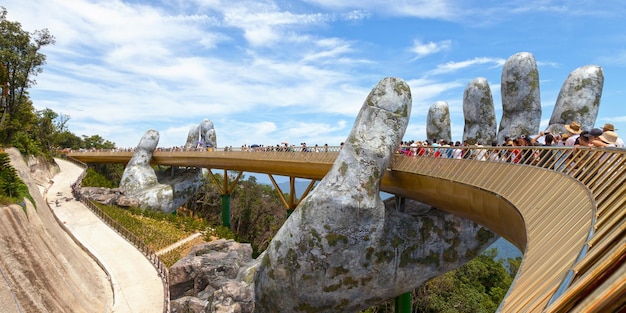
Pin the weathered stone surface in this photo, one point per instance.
(189, 305)
(43, 269)
(233, 297)
(438, 122)
(41, 171)
(341, 250)
(478, 110)
(202, 135)
(210, 273)
(103, 195)
(164, 192)
(521, 102)
(127, 202)
(579, 99)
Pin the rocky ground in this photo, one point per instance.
(43, 269)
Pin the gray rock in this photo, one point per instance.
(438, 122)
(579, 99)
(128, 202)
(102, 195)
(521, 102)
(233, 297)
(209, 267)
(479, 113)
(189, 305)
(341, 250)
(157, 192)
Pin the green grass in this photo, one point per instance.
(171, 257)
(157, 230)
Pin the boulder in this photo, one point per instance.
(209, 272)
(189, 305)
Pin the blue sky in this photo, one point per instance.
(298, 71)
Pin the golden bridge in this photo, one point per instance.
(564, 208)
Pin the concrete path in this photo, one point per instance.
(137, 286)
(178, 244)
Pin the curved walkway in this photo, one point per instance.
(137, 286)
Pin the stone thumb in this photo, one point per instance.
(145, 149)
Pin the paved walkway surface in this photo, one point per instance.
(137, 286)
(178, 244)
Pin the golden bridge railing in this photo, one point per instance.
(569, 201)
(594, 279)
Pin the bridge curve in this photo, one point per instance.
(566, 215)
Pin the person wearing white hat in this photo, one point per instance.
(608, 138)
(609, 127)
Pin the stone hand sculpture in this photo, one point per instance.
(157, 191)
(341, 250)
(578, 101)
(202, 135)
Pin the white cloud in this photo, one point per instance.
(451, 67)
(356, 15)
(415, 8)
(275, 70)
(423, 49)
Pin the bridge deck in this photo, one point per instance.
(566, 215)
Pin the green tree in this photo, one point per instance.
(67, 139)
(477, 286)
(20, 60)
(97, 142)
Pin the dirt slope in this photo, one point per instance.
(43, 269)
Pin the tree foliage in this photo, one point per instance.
(20, 61)
(97, 142)
(12, 188)
(256, 210)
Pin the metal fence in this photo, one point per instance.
(136, 241)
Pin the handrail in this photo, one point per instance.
(597, 268)
(122, 231)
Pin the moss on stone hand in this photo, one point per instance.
(333, 239)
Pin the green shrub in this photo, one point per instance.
(95, 179)
(12, 188)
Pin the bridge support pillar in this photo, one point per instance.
(292, 202)
(403, 303)
(226, 210)
(226, 189)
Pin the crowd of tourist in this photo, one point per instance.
(516, 149)
(574, 137)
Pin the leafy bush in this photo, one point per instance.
(95, 179)
(12, 188)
